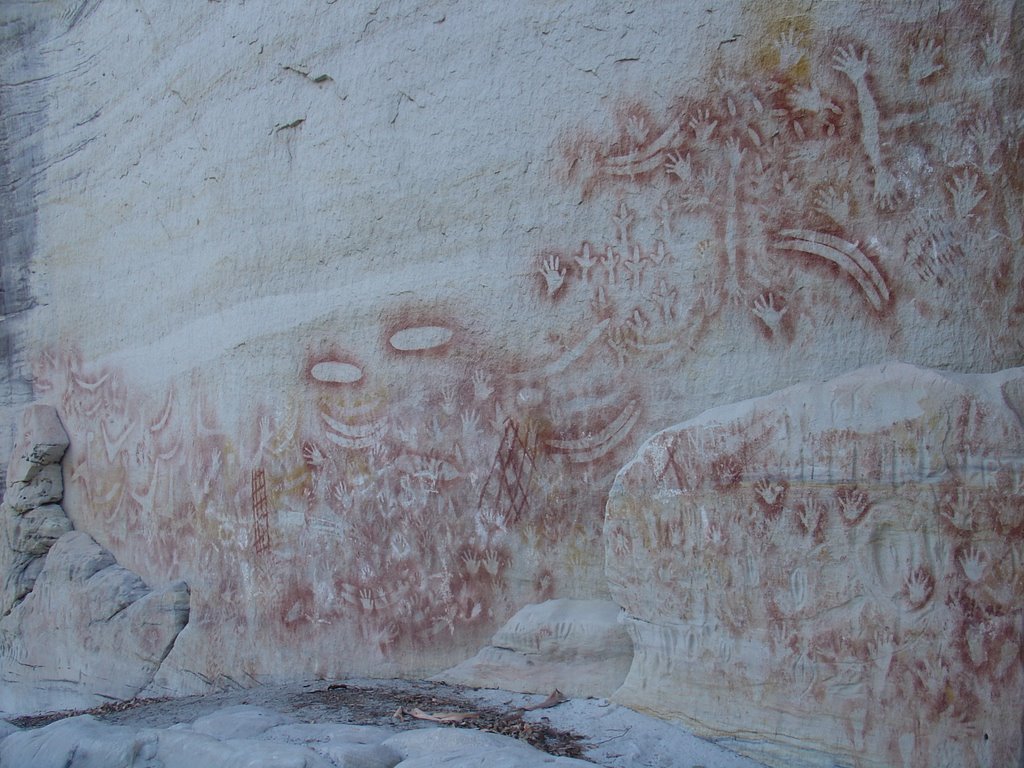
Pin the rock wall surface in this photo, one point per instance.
(22, 115)
(353, 310)
(89, 632)
(576, 647)
(31, 518)
(836, 566)
(76, 628)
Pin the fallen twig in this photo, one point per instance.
(553, 700)
(443, 717)
(612, 738)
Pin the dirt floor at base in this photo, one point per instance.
(397, 704)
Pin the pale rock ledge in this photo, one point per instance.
(76, 629)
(834, 571)
(576, 646)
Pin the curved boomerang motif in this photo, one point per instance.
(847, 256)
(570, 356)
(595, 446)
(645, 159)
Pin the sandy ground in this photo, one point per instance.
(593, 729)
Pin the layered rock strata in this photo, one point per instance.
(836, 567)
(31, 519)
(253, 737)
(77, 629)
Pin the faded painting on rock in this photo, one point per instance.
(838, 566)
(381, 489)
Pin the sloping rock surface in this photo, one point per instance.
(576, 646)
(30, 518)
(24, 541)
(243, 737)
(89, 631)
(41, 443)
(835, 567)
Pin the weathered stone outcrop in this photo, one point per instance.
(30, 519)
(41, 443)
(836, 567)
(25, 540)
(576, 646)
(88, 632)
(247, 737)
(76, 629)
(410, 284)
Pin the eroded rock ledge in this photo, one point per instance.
(31, 519)
(835, 567)
(77, 629)
(576, 646)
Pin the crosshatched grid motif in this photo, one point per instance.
(511, 472)
(260, 512)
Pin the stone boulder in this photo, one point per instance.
(34, 473)
(834, 570)
(576, 646)
(45, 487)
(88, 632)
(25, 538)
(80, 742)
(41, 443)
(185, 748)
(30, 519)
(240, 722)
(86, 742)
(34, 532)
(348, 746)
(463, 748)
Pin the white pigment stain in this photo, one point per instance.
(331, 372)
(421, 338)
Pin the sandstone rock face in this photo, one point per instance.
(576, 646)
(837, 566)
(34, 472)
(76, 628)
(30, 520)
(24, 541)
(19, 573)
(82, 742)
(412, 283)
(42, 443)
(34, 532)
(45, 487)
(85, 742)
(88, 632)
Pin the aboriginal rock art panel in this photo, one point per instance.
(860, 588)
(394, 510)
(429, 486)
(816, 175)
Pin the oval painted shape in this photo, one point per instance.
(420, 338)
(333, 372)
